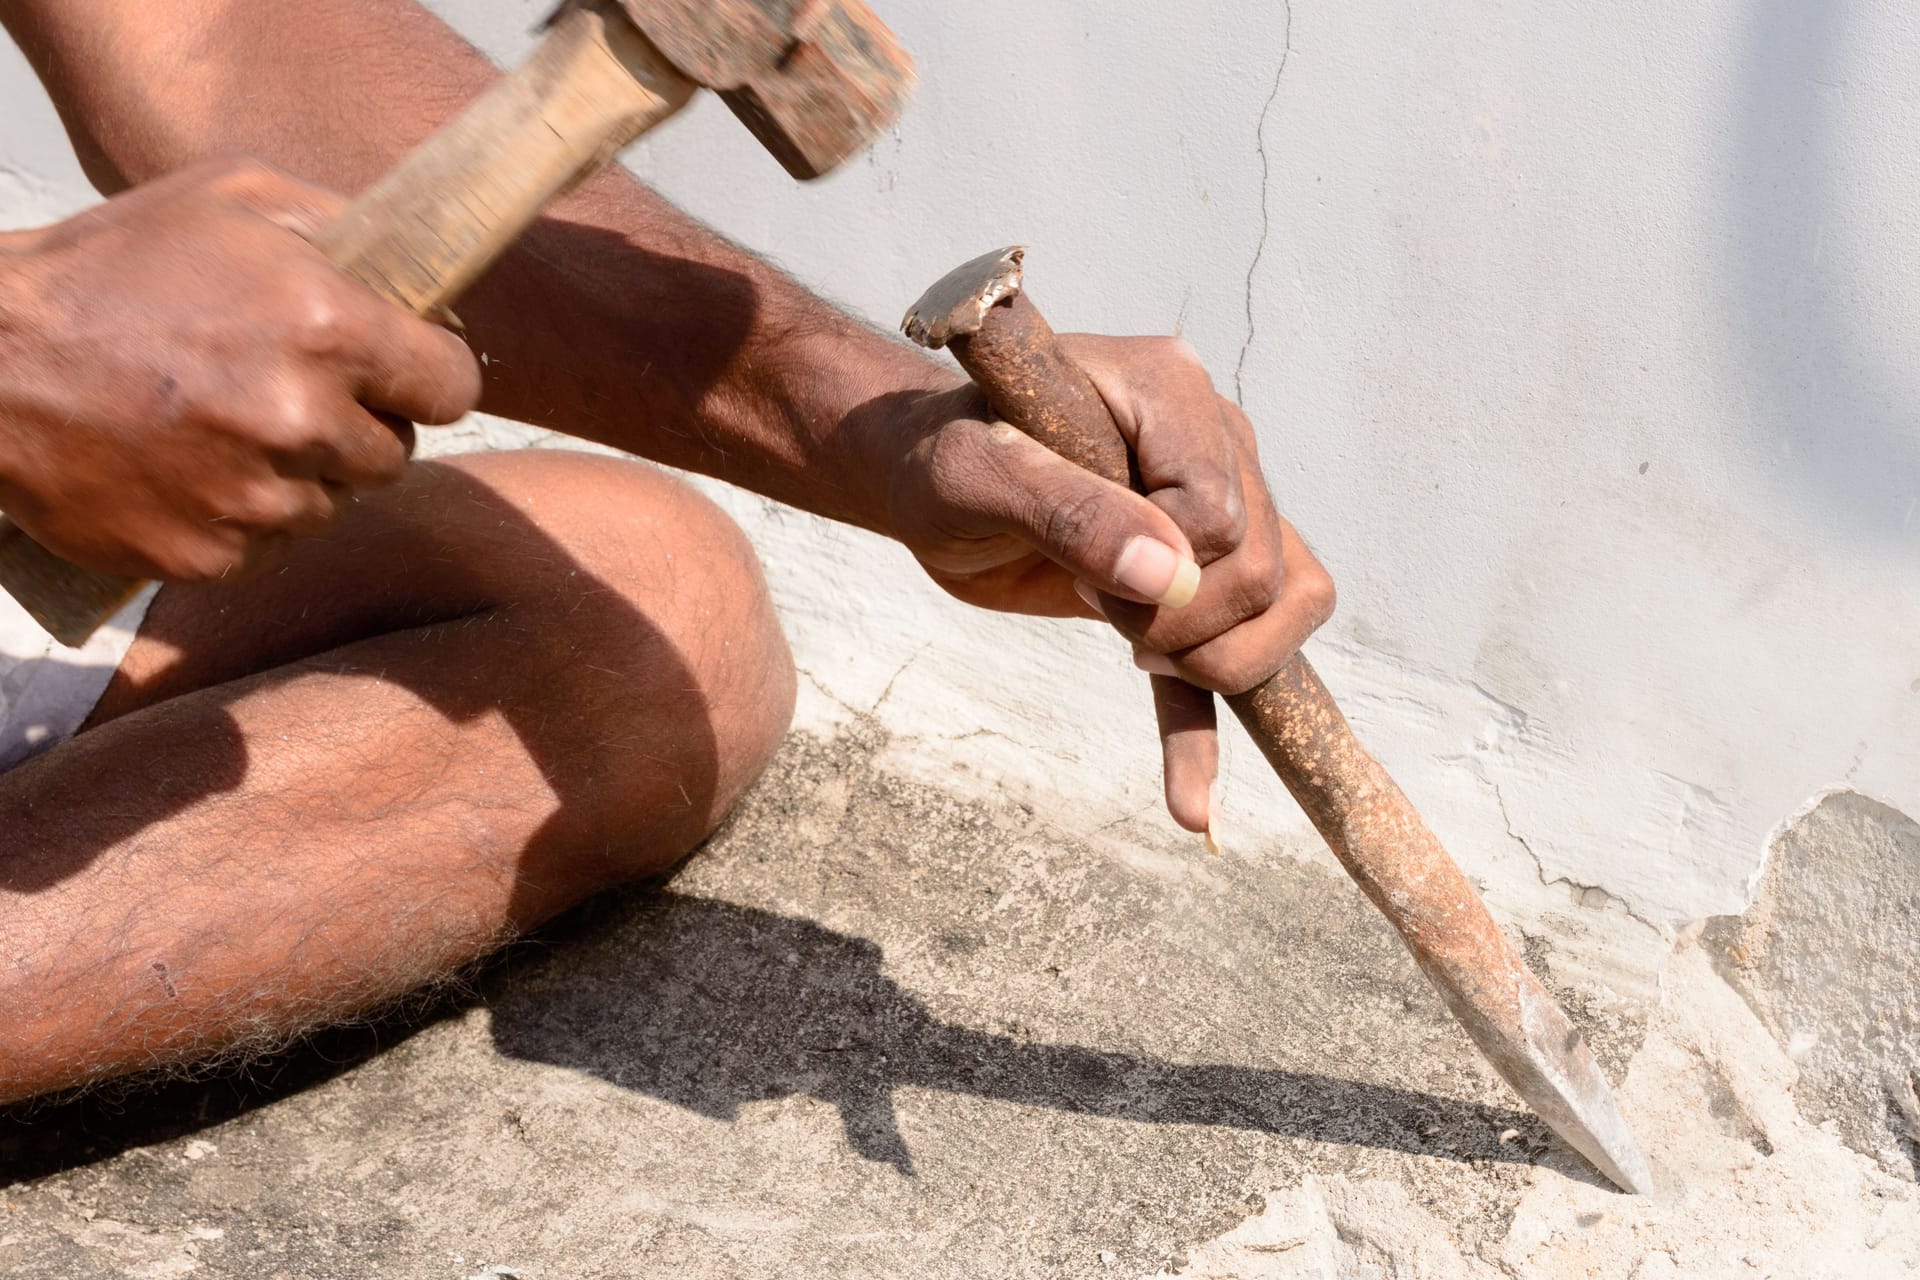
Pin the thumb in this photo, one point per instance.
(1098, 531)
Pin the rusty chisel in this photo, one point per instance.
(980, 312)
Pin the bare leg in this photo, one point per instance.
(504, 684)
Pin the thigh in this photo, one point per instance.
(567, 539)
(490, 691)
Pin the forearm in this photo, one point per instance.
(617, 318)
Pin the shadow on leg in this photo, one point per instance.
(507, 683)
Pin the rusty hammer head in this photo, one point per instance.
(815, 80)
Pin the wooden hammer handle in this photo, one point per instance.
(427, 230)
(1369, 824)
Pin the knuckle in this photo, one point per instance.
(261, 504)
(1264, 564)
(1176, 352)
(1318, 596)
(1259, 575)
(317, 324)
(1072, 524)
(1218, 517)
(1241, 426)
(293, 421)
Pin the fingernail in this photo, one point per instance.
(1154, 664)
(1155, 570)
(1084, 589)
(1213, 817)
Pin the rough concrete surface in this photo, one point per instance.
(1818, 955)
(878, 1030)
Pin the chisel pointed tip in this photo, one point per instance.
(1535, 1047)
(1557, 1075)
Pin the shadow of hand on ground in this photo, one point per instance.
(710, 1006)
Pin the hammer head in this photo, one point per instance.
(814, 80)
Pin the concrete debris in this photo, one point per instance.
(1757, 1102)
(1334, 1227)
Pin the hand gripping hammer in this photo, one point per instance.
(814, 80)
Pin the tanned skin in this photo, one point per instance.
(475, 692)
(243, 400)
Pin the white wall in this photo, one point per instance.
(1580, 339)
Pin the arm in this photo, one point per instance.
(617, 319)
(620, 320)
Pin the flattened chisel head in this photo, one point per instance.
(955, 305)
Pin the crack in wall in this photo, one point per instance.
(828, 693)
(1260, 247)
(1580, 890)
(1125, 818)
(893, 679)
(1024, 745)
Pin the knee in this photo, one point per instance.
(666, 646)
(726, 631)
(720, 691)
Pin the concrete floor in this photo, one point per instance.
(875, 1030)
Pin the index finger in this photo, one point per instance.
(409, 367)
(397, 363)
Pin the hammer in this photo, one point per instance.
(981, 313)
(814, 80)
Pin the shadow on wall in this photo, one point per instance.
(1835, 414)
